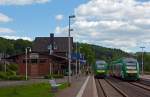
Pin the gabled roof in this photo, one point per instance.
(41, 44)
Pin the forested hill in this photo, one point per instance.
(98, 52)
(13, 46)
(109, 54)
(103, 53)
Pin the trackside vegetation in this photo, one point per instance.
(30, 90)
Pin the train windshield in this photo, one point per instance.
(100, 64)
(131, 63)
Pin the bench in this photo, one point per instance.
(54, 85)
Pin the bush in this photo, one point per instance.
(58, 76)
(13, 67)
(11, 75)
(53, 76)
(16, 77)
(3, 75)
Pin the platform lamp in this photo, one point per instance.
(69, 51)
(26, 52)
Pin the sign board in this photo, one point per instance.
(34, 56)
(77, 56)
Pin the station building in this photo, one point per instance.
(49, 55)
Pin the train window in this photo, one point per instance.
(131, 63)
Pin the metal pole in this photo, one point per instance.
(26, 54)
(76, 61)
(79, 61)
(50, 69)
(142, 60)
(69, 61)
(69, 52)
(26, 65)
(5, 62)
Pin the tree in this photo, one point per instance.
(11, 47)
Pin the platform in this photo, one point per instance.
(147, 77)
(81, 87)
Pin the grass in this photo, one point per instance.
(32, 90)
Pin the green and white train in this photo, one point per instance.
(100, 69)
(125, 68)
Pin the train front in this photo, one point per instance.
(131, 69)
(101, 69)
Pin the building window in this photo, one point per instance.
(42, 60)
(34, 61)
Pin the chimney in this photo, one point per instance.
(52, 40)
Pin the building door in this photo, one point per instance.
(34, 70)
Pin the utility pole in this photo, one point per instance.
(142, 59)
(69, 52)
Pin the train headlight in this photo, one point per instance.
(100, 71)
(129, 67)
(131, 71)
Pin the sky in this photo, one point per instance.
(122, 24)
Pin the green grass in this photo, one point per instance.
(32, 90)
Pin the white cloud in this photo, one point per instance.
(113, 23)
(59, 17)
(17, 37)
(21, 2)
(6, 30)
(4, 18)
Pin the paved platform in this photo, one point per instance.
(81, 87)
(147, 77)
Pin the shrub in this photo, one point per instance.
(11, 75)
(3, 75)
(57, 76)
(53, 76)
(16, 77)
(13, 67)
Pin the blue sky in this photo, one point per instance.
(33, 20)
(123, 24)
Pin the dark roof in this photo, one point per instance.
(41, 44)
(41, 53)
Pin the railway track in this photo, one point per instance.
(132, 89)
(144, 82)
(143, 86)
(107, 89)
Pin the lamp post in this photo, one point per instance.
(69, 51)
(142, 59)
(26, 50)
(76, 60)
(79, 60)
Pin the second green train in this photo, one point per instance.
(125, 68)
